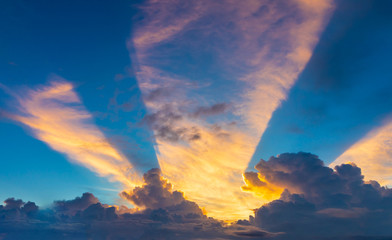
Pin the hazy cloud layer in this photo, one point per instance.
(192, 59)
(322, 203)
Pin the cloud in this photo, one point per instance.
(165, 214)
(215, 109)
(256, 184)
(157, 193)
(56, 116)
(159, 27)
(17, 209)
(317, 203)
(77, 204)
(194, 57)
(165, 125)
(11, 203)
(373, 154)
(321, 202)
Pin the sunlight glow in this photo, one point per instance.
(372, 154)
(205, 157)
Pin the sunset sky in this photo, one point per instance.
(226, 109)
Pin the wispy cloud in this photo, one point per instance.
(373, 154)
(159, 25)
(255, 51)
(56, 116)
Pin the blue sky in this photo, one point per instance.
(84, 43)
(344, 91)
(196, 72)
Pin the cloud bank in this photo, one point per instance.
(317, 203)
(322, 203)
(166, 214)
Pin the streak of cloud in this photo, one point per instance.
(56, 116)
(373, 154)
(256, 50)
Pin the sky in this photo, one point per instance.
(171, 115)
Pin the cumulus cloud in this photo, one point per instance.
(77, 204)
(17, 209)
(165, 214)
(320, 202)
(317, 203)
(157, 193)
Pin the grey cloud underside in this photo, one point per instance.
(165, 121)
(215, 109)
(322, 203)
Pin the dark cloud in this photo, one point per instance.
(165, 125)
(17, 209)
(166, 215)
(98, 211)
(12, 203)
(157, 193)
(215, 109)
(77, 204)
(322, 203)
(158, 94)
(317, 203)
(166, 122)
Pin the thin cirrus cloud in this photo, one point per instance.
(57, 117)
(373, 154)
(194, 55)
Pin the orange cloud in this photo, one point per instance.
(276, 72)
(372, 154)
(57, 117)
(269, 42)
(257, 184)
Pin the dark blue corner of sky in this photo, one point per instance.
(345, 90)
(84, 42)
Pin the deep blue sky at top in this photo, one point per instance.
(344, 92)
